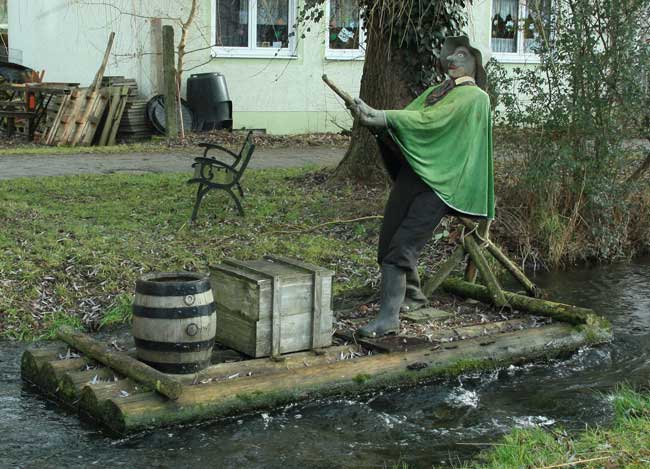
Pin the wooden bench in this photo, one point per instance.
(211, 173)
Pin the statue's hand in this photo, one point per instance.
(368, 116)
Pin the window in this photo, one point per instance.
(250, 28)
(345, 37)
(517, 28)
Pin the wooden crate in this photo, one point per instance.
(272, 306)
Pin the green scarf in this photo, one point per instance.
(449, 145)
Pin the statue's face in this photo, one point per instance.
(461, 63)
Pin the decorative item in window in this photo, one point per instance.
(344, 24)
(518, 25)
(272, 18)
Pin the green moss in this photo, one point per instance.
(361, 378)
(597, 330)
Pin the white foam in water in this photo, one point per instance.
(461, 397)
(531, 421)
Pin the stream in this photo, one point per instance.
(438, 424)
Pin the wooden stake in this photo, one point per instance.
(496, 293)
(169, 71)
(121, 362)
(432, 283)
(530, 287)
(97, 82)
(470, 271)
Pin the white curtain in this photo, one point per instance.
(504, 25)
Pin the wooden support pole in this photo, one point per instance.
(121, 363)
(97, 82)
(169, 71)
(432, 283)
(483, 231)
(558, 311)
(496, 293)
(530, 287)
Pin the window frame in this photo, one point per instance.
(519, 56)
(252, 51)
(344, 54)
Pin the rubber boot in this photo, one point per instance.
(393, 288)
(415, 298)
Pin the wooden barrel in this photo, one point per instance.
(174, 321)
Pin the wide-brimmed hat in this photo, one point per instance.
(481, 55)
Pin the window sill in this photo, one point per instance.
(522, 59)
(352, 55)
(241, 53)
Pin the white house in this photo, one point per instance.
(273, 76)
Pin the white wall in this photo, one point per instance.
(67, 39)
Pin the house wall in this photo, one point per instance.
(67, 38)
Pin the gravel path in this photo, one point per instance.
(16, 166)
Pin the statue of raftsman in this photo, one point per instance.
(438, 151)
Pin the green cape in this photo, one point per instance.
(449, 145)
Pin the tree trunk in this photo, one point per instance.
(386, 84)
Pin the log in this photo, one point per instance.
(558, 311)
(121, 363)
(530, 287)
(432, 283)
(146, 410)
(483, 231)
(496, 292)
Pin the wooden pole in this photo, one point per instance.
(558, 311)
(97, 82)
(530, 287)
(157, 54)
(496, 293)
(169, 72)
(121, 363)
(483, 230)
(349, 101)
(432, 283)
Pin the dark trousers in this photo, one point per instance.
(412, 214)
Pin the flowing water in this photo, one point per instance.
(439, 424)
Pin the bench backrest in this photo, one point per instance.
(245, 154)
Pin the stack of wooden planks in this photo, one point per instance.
(135, 125)
(94, 115)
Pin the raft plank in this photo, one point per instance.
(259, 366)
(399, 343)
(32, 361)
(227, 397)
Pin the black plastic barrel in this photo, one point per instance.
(207, 95)
(174, 321)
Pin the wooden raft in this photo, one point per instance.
(227, 388)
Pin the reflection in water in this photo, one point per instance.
(422, 426)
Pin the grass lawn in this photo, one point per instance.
(73, 247)
(626, 444)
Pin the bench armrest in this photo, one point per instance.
(214, 146)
